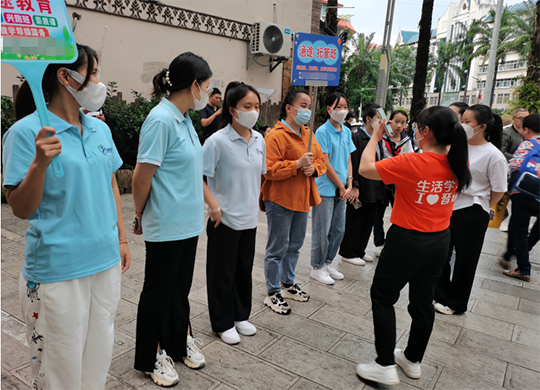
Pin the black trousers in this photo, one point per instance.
(358, 226)
(163, 313)
(410, 257)
(378, 225)
(467, 228)
(520, 241)
(229, 264)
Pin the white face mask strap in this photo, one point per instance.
(76, 76)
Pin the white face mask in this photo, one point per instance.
(339, 116)
(469, 130)
(200, 104)
(92, 96)
(417, 141)
(247, 119)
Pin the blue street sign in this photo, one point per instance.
(316, 60)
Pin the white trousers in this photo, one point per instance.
(70, 329)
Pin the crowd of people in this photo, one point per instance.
(441, 182)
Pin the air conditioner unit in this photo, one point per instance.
(271, 39)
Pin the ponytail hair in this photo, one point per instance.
(235, 92)
(442, 121)
(291, 97)
(24, 100)
(494, 126)
(183, 71)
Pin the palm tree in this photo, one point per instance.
(401, 71)
(523, 28)
(422, 59)
(482, 32)
(447, 53)
(533, 67)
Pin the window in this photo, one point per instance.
(499, 98)
(506, 97)
(473, 99)
(480, 85)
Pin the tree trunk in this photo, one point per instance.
(422, 59)
(492, 92)
(533, 66)
(466, 84)
(331, 16)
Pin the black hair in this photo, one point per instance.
(24, 100)
(532, 122)
(291, 97)
(447, 130)
(370, 110)
(215, 91)
(402, 112)
(462, 107)
(493, 122)
(333, 100)
(350, 115)
(183, 71)
(234, 92)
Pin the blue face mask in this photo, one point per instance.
(303, 116)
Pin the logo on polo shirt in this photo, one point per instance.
(259, 151)
(105, 150)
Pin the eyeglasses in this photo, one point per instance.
(519, 118)
(416, 127)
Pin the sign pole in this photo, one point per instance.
(312, 119)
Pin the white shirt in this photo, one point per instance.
(234, 168)
(489, 170)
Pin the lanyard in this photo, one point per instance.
(378, 151)
(297, 133)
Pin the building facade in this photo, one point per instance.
(135, 39)
(454, 22)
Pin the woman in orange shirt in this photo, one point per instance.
(417, 243)
(288, 191)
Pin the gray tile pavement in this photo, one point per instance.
(495, 345)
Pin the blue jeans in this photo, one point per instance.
(328, 228)
(286, 233)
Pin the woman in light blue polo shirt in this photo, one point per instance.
(168, 193)
(335, 188)
(234, 160)
(76, 247)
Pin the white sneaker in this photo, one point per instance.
(320, 275)
(368, 258)
(164, 373)
(245, 328)
(354, 260)
(503, 227)
(412, 370)
(277, 303)
(295, 293)
(195, 358)
(230, 336)
(443, 309)
(375, 372)
(331, 270)
(378, 251)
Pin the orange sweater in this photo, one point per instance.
(283, 183)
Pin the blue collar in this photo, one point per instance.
(233, 135)
(299, 133)
(174, 110)
(61, 125)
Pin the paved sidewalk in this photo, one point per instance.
(494, 345)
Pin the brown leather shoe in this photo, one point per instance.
(518, 275)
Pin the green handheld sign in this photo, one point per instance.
(36, 33)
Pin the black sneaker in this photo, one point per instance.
(277, 304)
(295, 293)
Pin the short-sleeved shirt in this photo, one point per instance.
(73, 233)
(338, 145)
(425, 190)
(175, 208)
(234, 168)
(207, 112)
(489, 171)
